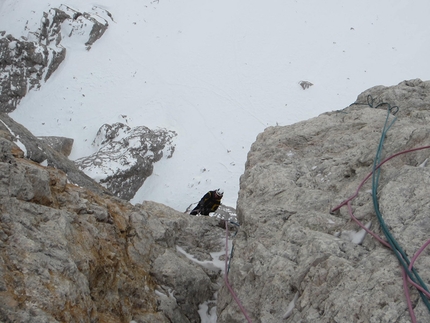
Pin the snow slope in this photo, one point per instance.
(217, 73)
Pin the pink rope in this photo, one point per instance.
(414, 258)
(417, 286)
(226, 277)
(370, 174)
(385, 243)
(408, 297)
(405, 277)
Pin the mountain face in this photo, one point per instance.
(77, 253)
(298, 258)
(73, 249)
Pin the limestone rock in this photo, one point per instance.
(292, 263)
(71, 251)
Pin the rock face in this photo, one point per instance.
(71, 254)
(295, 261)
(25, 63)
(126, 156)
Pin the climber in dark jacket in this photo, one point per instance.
(209, 202)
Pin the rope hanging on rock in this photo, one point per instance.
(397, 249)
(409, 274)
(226, 277)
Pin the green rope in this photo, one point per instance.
(232, 247)
(398, 251)
(231, 257)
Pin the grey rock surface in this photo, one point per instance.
(126, 156)
(70, 253)
(23, 65)
(295, 261)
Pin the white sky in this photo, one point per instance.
(218, 73)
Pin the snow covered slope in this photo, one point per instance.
(217, 73)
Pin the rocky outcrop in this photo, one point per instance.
(126, 156)
(295, 261)
(26, 62)
(70, 254)
(40, 151)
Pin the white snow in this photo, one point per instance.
(356, 237)
(291, 306)
(20, 145)
(208, 315)
(424, 163)
(215, 264)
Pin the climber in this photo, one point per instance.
(209, 202)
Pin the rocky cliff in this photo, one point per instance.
(298, 258)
